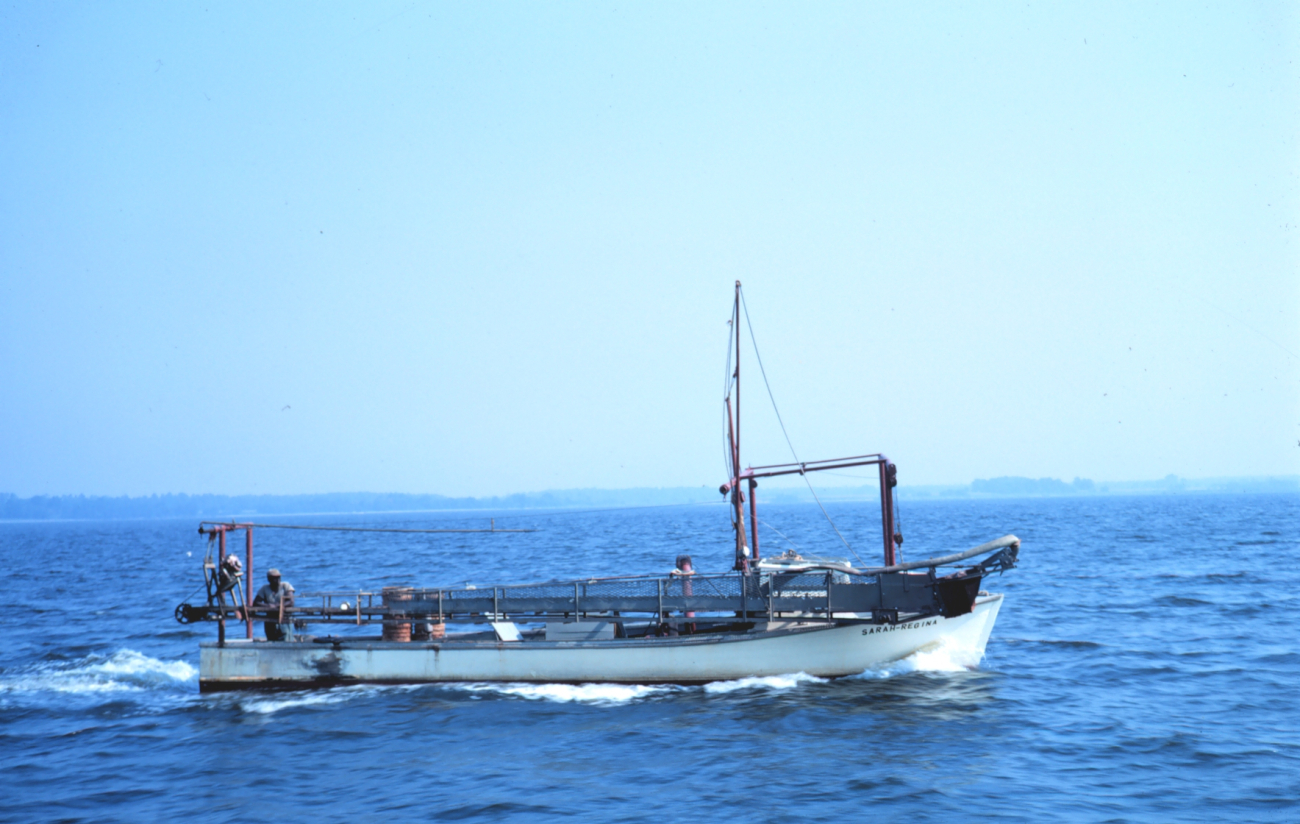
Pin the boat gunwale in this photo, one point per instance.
(702, 639)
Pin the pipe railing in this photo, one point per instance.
(816, 589)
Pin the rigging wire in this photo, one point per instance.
(779, 532)
(763, 372)
(726, 393)
(366, 528)
(728, 448)
(855, 477)
(729, 379)
(772, 398)
(608, 509)
(195, 590)
(726, 443)
(532, 514)
(829, 521)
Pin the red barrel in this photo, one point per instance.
(398, 628)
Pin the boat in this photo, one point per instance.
(767, 616)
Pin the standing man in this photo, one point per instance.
(684, 570)
(272, 595)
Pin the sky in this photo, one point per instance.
(479, 249)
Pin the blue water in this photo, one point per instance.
(1144, 668)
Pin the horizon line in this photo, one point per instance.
(676, 488)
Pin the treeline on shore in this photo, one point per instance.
(82, 507)
(222, 507)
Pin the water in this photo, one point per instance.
(1144, 668)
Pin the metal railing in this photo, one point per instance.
(811, 592)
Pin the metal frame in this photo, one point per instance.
(745, 555)
(809, 593)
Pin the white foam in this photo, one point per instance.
(270, 706)
(946, 655)
(574, 693)
(264, 704)
(134, 666)
(771, 682)
(124, 671)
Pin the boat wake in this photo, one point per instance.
(123, 671)
(613, 694)
(948, 655)
(598, 694)
(768, 682)
(261, 705)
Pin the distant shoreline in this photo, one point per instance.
(224, 507)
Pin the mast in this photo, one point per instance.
(752, 555)
(737, 497)
(735, 313)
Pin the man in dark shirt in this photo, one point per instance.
(271, 596)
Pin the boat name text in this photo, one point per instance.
(893, 627)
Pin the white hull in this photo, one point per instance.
(825, 651)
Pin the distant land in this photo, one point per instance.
(221, 507)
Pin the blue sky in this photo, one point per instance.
(480, 249)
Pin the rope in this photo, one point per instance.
(726, 443)
(763, 372)
(829, 521)
(196, 589)
(499, 518)
(370, 529)
(855, 477)
(603, 509)
(726, 393)
(726, 383)
(779, 532)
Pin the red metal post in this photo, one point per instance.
(753, 520)
(737, 499)
(221, 602)
(737, 496)
(248, 581)
(731, 442)
(886, 510)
